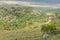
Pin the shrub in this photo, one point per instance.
(49, 28)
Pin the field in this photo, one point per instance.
(34, 34)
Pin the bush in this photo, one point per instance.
(49, 28)
(44, 28)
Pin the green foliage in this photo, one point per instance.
(52, 27)
(44, 28)
(49, 28)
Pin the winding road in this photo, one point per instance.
(47, 22)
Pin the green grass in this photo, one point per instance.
(25, 34)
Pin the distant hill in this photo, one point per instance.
(43, 1)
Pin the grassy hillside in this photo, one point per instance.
(24, 23)
(20, 17)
